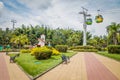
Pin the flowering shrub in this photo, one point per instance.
(41, 52)
(55, 52)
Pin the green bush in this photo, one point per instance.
(84, 48)
(25, 51)
(61, 48)
(42, 53)
(114, 49)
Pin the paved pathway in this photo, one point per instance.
(3, 68)
(85, 66)
(14, 71)
(112, 65)
(96, 70)
(75, 70)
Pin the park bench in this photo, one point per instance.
(65, 59)
(12, 58)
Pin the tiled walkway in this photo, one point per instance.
(82, 66)
(4, 75)
(96, 70)
(13, 71)
(85, 66)
(75, 70)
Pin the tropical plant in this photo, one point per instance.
(20, 40)
(113, 36)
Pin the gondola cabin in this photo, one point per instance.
(99, 19)
(89, 21)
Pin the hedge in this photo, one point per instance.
(84, 48)
(61, 48)
(114, 49)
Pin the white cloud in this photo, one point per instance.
(60, 13)
(1, 5)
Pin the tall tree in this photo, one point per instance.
(113, 32)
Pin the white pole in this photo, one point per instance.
(84, 12)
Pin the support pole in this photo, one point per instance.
(84, 12)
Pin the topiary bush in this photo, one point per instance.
(61, 48)
(41, 53)
(114, 49)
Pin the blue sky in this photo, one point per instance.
(59, 13)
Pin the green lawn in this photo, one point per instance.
(110, 55)
(35, 67)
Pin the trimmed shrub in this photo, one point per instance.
(114, 49)
(61, 48)
(25, 51)
(41, 52)
(84, 48)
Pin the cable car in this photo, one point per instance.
(89, 21)
(99, 19)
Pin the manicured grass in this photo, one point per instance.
(35, 67)
(110, 55)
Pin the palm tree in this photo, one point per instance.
(20, 40)
(113, 32)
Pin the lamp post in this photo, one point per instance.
(84, 12)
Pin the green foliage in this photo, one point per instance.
(41, 53)
(113, 33)
(84, 48)
(25, 51)
(20, 40)
(98, 41)
(114, 49)
(61, 48)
